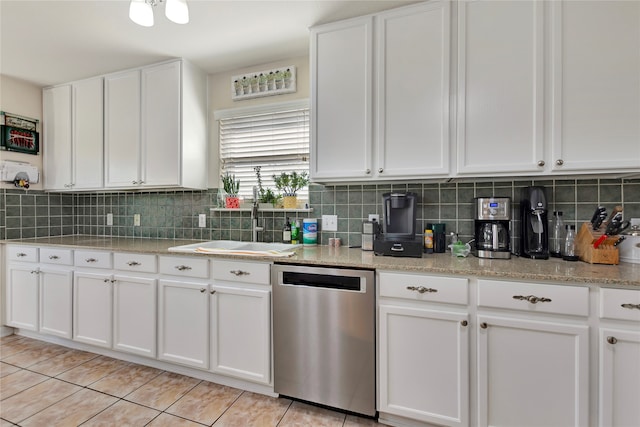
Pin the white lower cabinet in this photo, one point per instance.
(93, 308)
(56, 290)
(183, 322)
(22, 296)
(423, 348)
(134, 315)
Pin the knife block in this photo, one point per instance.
(606, 252)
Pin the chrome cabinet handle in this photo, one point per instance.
(421, 289)
(203, 290)
(531, 298)
(91, 260)
(484, 325)
(213, 291)
(612, 340)
(182, 267)
(541, 163)
(368, 171)
(559, 162)
(133, 263)
(54, 257)
(239, 272)
(134, 182)
(35, 271)
(109, 280)
(21, 254)
(380, 170)
(464, 323)
(631, 306)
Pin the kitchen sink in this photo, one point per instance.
(237, 247)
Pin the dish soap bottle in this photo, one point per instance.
(295, 233)
(569, 250)
(557, 235)
(286, 232)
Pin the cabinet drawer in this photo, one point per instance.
(573, 300)
(92, 259)
(419, 287)
(56, 256)
(22, 253)
(622, 304)
(144, 263)
(183, 266)
(247, 272)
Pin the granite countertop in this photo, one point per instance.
(555, 270)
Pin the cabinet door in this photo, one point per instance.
(500, 87)
(183, 322)
(241, 333)
(56, 310)
(57, 138)
(532, 373)
(596, 85)
(412, 90)
(341, 93)
(619, 378)
(424, 365)
(161, 142)
(134, 315)
(22, 297)
(122, 129)
(88, 134)
(92, 308)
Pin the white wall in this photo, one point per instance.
(219, 86)
(24, 99)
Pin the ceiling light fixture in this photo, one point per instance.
(141, 11)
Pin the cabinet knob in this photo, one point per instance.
(380, 170)
(631, 306)
(464, 323)
(239, 272)
(421, 289)
(133, 263)
(203, 290)
(612, 340)
(368, 171)
(107, 280)
(541, 163)
(54, 257)
(213, 291)
(559, 162)
(483, 325)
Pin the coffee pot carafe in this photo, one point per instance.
(534, 239)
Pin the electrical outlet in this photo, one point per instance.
(136, 220)
(329, 222)
(374, 217)
(109, 219)
(202, 220)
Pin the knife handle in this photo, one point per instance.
(599, 241)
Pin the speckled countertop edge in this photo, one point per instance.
(553, 270)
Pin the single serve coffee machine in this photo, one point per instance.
(398, 227)
(492, 224)
(534, 239)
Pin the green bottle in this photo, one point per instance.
(295, 233)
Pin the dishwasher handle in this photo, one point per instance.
(323, 281)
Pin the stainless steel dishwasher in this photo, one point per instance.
(324, 336)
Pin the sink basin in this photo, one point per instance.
(239, 248)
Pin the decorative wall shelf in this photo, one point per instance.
(264, 83)
(260, 210)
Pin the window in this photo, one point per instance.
(274, 137)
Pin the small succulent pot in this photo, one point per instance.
(232, 202)
(290, 202)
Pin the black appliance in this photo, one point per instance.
(492, 225)
(398, 227)
(534, 238)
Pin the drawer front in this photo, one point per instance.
(453, 290)
(144, 263)
(22, 253)
(56, 256)
(92, 259)
(622, 304)
(530, 297)
(185, 267)
(246, 272)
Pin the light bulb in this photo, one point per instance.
(141, 13)
(177, 11)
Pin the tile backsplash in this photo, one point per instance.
(174, 214)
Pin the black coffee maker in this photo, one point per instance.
(534, 238)
(398, 236)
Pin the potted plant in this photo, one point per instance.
(289, 184)
(266, 197)
(231, 186)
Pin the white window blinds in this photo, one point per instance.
(277, 140)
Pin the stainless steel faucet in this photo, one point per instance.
(254, 222)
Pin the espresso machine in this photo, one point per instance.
(534, 239)
(492, 224)
(398, 236)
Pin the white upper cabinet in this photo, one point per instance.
(396, 126)
(595, 84)
(73, 119)
(500, 87)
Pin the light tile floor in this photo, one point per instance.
(43, 384)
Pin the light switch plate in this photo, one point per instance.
(202, 220)
(374, 217)
(109, 219)
(136, 220)
(329, 222)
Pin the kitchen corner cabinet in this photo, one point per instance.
(595, 88)
(73, 136)
(420, 380)
(411, 94)
(500, 89)
(155, 127)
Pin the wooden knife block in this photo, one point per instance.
(606, 252)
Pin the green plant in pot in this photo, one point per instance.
(289, 184)
(231, 186)
(265, 195)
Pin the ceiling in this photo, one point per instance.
(51, 41)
